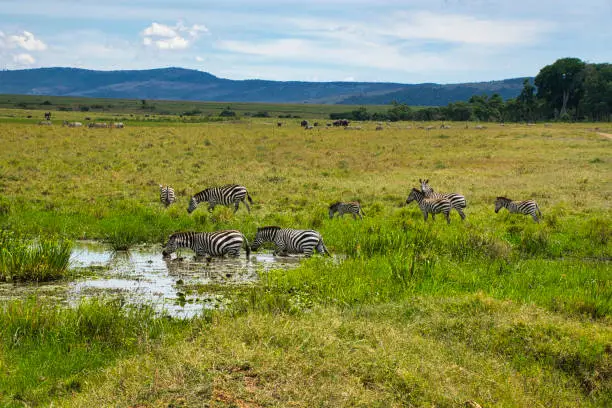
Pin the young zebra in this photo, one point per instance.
(166, 195)
(353, 208)
(224, 195)
(458, 202)
(527, 207)
(290, 241)
(209, 244)
(430, 205)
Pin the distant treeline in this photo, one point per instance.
(568, 90)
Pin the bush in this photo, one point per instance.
(28, 260)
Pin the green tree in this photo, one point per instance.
(526, 102)
(561, 84)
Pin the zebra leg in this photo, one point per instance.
(236, 204)
(535, 217)
(425, 214)
(360, 216)
(354, 216)
(460, 211)
(447, 215)
(246, 204)
(211, 207)
(433, 216)
(233, 252)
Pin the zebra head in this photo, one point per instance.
(263, 235)
(170, 246)
(414, 195)
(501, 202)
(426, 188)
(193, 204)
(333, 208)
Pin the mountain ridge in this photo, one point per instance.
(176, 83)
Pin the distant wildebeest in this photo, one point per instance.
(315, 124)
(379, 127)
(47, 115)
(279, 124)
(304, 123)
(341, 122)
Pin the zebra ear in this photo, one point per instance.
(420, 181)
(426, 181)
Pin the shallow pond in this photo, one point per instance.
(143, 276)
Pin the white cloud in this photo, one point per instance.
(159, 30)
(164, 37)
(23, 59)
(27, 41)
(199, 59)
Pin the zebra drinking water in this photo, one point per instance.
(353, 208)
(527, 207)
(166, 195)
(209, 244)
(290, 241)
(430, 205)
(224, 195)
(458, 201)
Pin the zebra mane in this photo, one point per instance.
(269, 228)
(503, 198)
(334, 205)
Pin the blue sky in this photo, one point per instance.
(442, 41)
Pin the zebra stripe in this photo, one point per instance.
(290, 241)
(218, 243)
(430, 205)
(353, 208)
(458, 201)
(166, 195)
(224, 195)
(527, 207)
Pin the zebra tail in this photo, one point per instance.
(324, 248)
(249, 198)
(247, 247)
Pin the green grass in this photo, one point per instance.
(38, 260)
(496, 309)
(48, 351)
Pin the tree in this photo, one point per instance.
(526, 102)
(561, 84)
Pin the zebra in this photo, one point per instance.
(166, 195)
(527, 207)
(290, 241)
(430, 205)
(353, 208)
(224, 195)
(458, 201)
(209, 244)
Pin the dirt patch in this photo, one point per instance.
(608, 135)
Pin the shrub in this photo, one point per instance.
(28, 260)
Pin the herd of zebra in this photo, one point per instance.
(294, 241)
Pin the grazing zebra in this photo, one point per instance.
(458, 201)
(430, 205)
(209, 244)
(527, 207)
(290, 241)
(353, 208)
(166, 195)
(224, 195)
(98, 125)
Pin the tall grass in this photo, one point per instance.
(38, 260)
(49, 349)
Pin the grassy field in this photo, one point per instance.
(497, 309)
(19, 107)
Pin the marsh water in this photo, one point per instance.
(143, 276)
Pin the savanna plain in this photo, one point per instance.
(496, 310)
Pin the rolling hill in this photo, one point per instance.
(186, 84)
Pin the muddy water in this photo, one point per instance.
(142, 276)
